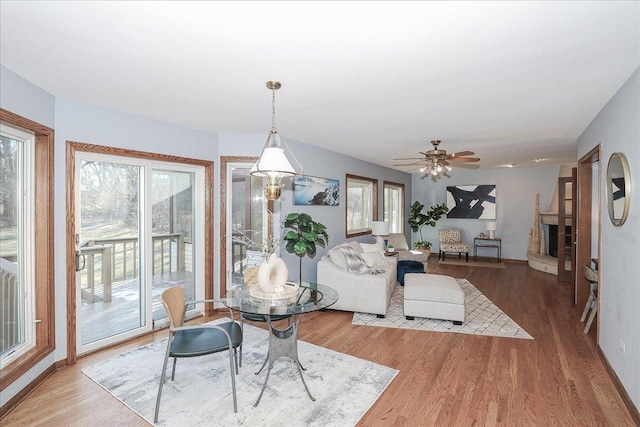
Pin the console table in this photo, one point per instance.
(485, 242)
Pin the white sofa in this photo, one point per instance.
(363, 293)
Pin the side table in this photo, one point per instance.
(485, 242)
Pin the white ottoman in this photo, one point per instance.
(433, 296)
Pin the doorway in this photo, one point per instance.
(589, 224)
(245, 214)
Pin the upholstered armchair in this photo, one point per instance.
(399, 242)
(451, 241)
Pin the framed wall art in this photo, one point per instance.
(311, 190)
(471, 201)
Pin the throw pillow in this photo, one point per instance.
(356, 246)
(370, 247)
(373, 258)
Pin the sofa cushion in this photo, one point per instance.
(373, 258)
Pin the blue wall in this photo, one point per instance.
(617, 129)
(516, 190)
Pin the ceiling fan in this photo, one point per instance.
(437, 161)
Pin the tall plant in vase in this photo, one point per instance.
(302, 235)
(417, 220)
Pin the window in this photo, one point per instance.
(393, 201)
(362, 205)
(16, 245)
(26, 246)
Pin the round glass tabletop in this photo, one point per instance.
(309, 297)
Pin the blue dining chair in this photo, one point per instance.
(200, 340)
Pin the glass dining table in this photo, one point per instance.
(283, 341)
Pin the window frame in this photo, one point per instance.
(401, 187)
(43, 254)
(373, 204)
(25, 237)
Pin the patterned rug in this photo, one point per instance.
(345, 387)
(481, 317)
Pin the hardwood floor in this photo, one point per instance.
(445, 379)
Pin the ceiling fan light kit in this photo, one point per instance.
(436, 161)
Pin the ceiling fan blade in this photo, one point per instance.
(409, 158)
(443, 163)
(464, 159)
(462, 153)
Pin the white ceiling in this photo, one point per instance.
(511, 81)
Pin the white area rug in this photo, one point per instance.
(345, 387)
(481, 317)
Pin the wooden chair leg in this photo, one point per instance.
(586, 308)
(590, 321)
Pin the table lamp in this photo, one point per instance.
(492, 227)
(379, 229)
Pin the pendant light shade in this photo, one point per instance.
(273, 163)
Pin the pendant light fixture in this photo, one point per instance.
(273, 163)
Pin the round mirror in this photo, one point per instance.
(618, 188)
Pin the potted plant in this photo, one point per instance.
(417, 220)
(390, 248)
(302, 236)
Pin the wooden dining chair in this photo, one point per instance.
(592, 303)
(200, 340)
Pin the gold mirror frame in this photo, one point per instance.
(617, 168)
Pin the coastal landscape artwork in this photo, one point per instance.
(311, 190)
(472, 201)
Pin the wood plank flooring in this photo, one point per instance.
(445, 379)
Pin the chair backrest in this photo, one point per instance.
(173, 301)
(589, 274)
(398, 241)
(448, 235)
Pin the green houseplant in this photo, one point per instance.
(302, 236)
(417, 220)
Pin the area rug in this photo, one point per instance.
(481, 317)
(471, 263)
(345, 387)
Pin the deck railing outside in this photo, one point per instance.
(9, 305)
(109, 261)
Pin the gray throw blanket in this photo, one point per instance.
(354, 262)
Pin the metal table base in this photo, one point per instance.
(283, 343)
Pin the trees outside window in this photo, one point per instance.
(362, 205)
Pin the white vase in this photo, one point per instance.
(272, 274)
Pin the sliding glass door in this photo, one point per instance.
(136, 234)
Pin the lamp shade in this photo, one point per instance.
(379, 228)
(273, 161)
(492, 226)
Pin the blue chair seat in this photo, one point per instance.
(408, 266)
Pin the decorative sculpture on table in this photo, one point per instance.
(272, 274)
(269, 280)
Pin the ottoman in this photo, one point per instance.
(408, 266)
(433, 296)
